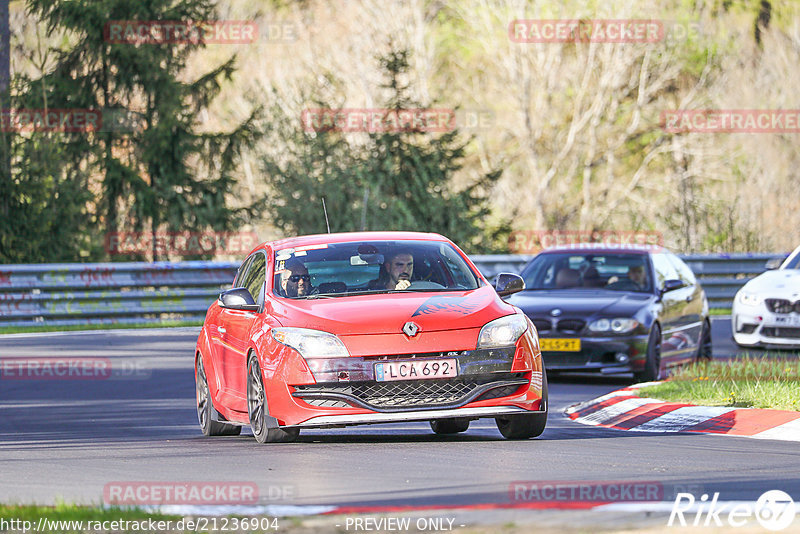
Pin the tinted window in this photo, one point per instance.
(684, 271)
(590, 270)
(254, 280)
(664, 269)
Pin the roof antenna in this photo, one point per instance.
(326, 215)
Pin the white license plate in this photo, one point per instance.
(415, 370)
(787, 320)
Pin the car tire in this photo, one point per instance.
(449, 426)
(258, 410)
(652, 364)
(526, 426)
(206, 414)
(704, 353)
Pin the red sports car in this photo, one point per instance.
(374, 327)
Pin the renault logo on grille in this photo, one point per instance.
(410, 329)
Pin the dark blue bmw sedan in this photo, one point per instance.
(615, 309)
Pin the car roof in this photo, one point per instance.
(345, 237)
(606, 248)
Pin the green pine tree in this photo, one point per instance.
(400, 179)
(157, 173)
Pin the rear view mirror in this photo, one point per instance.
(774, 263)
(238, 298)
(366, 259)
(508, 283)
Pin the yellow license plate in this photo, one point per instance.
(560, 345)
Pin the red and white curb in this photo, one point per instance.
(625, 410)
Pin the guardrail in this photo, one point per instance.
(118, 293)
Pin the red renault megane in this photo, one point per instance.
(374, 327)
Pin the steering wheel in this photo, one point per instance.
(425, 284)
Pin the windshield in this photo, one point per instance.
(339, 269)
(616, 272)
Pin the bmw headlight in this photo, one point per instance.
(619, 325)
(311, 343)
(502, 332)
(748, 299)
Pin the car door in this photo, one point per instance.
(673, 304)
(691, 321)
(236, 339)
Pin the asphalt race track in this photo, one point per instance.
(68, 439)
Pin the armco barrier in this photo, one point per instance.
(109, 293)
(114, 293)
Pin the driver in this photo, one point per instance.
(638, 276)
(396, 272)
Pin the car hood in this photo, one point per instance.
(784, 282)
(387, 313)
(580, 303)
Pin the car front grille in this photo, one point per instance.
(570, 326)
(782, 305)
(542, 325)
(567, 326)
(777, 331)
(414, 394)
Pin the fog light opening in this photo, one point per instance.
(621, 357)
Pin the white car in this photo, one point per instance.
(766, 311)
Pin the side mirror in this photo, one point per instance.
(774, 263)
(672, 285)
(508, 283)
(238, 299)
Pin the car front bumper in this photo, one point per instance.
(605, 355)
(327, 421)
(758, 327)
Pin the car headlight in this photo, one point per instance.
(619, 325)
(748, 299)
(311, 343)
(502, 332)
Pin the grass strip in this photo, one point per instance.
(742, 383)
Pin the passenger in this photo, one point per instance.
(295, 280)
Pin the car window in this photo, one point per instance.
(664, 269)
(684, 271)
(254, 280)
(342, 269)
(238, 279)
(588, 270)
